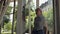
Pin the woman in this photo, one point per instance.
(39, 22)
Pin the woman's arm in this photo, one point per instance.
(46, 25)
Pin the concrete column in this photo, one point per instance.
(19, 28)
(37, 3)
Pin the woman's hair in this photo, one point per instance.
(38, 9)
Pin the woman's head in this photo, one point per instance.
(38, 12)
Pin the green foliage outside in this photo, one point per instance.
(48, 16)
(8, 26)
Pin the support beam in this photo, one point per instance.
(29, 20)
(19, 28)
(57, 16)
(37, 3)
